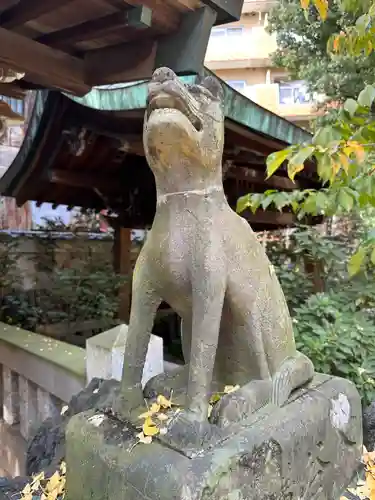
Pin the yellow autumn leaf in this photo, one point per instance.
(210, 408)
(154, 408)
(322, 7)
(39, 477)
(53, 482)
(35, 485)
(163, 401)
(305, 4)
(144, 439)
(345, 163)
(162, 417)
(358, 150)
(149, 427)
(26, 490)
(336, 43)
(293, 169)
(215, 398)
(231, 388)
(63, 468)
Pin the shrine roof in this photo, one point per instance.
(87, 151)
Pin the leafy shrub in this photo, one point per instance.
(338, 340)
(336, 326)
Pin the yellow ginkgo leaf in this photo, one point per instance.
(228, 389)
(35, 485)
(215, 398)
(154, 408)
(39, 477)
(322, 7)
(53, 482)
(26, 490)
(162, 417)
(149, 427)
(305, 4)
(144, 439)
(163, 401)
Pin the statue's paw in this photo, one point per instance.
(129, 404)
(281, 387)
(174, 381)
(188, 433)
(238, 405)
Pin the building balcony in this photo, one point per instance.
(239, 47)
(251, 6)
(289, 100)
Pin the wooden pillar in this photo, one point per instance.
(122, 265)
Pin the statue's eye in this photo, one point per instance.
(214, 87)
(194, 89)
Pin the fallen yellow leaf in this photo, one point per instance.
(228, 389)
(162, 417)
(144, 439)
(149, 427)
(154, 408)
(163, 401)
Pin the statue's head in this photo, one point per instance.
(183, 123)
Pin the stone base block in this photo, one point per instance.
(309, 449)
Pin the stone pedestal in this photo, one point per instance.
(308, 449)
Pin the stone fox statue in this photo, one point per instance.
(205, 261)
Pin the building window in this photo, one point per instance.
(227, 32)
(237, 84)
(16, 105)
(217, 32)
(294, 93)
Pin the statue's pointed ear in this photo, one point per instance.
(212, 84)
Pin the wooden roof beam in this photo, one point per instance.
(72, 178)
(164, 17)
(269, 218)
(27, 10)
(54, 68)
(183, 51)
(12, 90)
(253, 176)
(135, 17)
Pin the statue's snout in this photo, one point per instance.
(162, 75)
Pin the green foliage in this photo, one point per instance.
(75, 282)
(334, 326)
(339, 340)
(302, 49)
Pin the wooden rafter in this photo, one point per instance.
(164, 17)
(253, 176)
(26, 10)
(269, 218)
(137, 18)
(83, 180)
(120, 63)
(52, 66)
(12, 90)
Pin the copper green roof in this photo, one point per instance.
(122, 97)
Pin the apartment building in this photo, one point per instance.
(240, 54)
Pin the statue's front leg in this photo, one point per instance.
(208, 299)
(145, 302)
(190, 429)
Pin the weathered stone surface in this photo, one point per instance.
(46, 449)
(205, 261)
(308, 449)
(369, 427)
